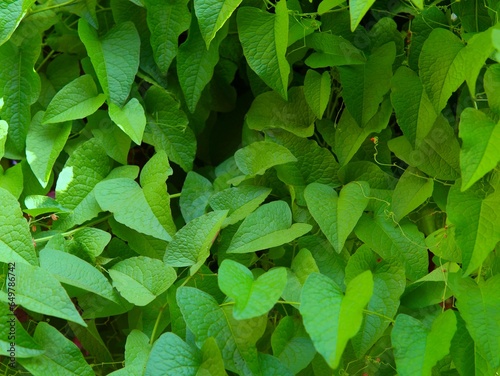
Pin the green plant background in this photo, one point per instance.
(220, 187)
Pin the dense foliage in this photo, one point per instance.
(215, 187)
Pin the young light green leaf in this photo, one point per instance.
(38, 204)
(212, 15)
(15, 236)
(141, 279)
(44, 143)
(291, 344)
(304, 264)
(326, 5)
(269, 111)
(61, 356)
(73, 271)
(416, 348)
(38, 291)
(332, 318)
(19, 89)
(388, 285)
(235, 338)
(76, 100)
(87, 243)
(4, 130)
(12, 330)
(337, 215)
(196, 63)
(115, 58)
(441, 66)
(167, 129)
(125, 199)
(86, 166)
(332, 51)
(194, 196)
(402, 242)
(11, 14)
(357, 10)
(415, 112)
(268, 226)
(317, 89)
(479, 305)
(480, 144)
(166, 21)
(239, 201)
(364, 86)
(473, 212)
(190, 246)
(137, 350)
(264, 38)
(130, 118)
(437, 155)
(411, 191)
(253, 297)
(258, 157)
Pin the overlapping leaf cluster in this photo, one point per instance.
(250, 187)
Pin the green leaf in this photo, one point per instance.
(87, 166)
(258, 157)
(480, 144)
(349, 137)
(137, 350)
(442, 243)
(166, 21)
(441, 66)
(364, 86)
(4, 130)
(239, 201)
(326, 5)
(76, 100)
(411, 191)
(264, 38)
(253, 297)
(190, 246)
(268, 226)
(195, 194)
(317, 90)
(212, 15)
(12, 330)
(196, 63)
(402, 242)
(38, 291)
(61, 356)
(130, 118)
(357, 10)
(15, 237)
(291, 344)
(337, 215)
(491, 84)
(332, 318)
(115, 57)
(44, 143)
(479, 305)
(477, 223)
(388, 285)
(126, 200)
(269, 111)
(167, 129)
(415, 112)
(235, 338)
(73, 271)
(11, 14)
(19, 88)
(417, 348)
(332, 51)
(141, 279)
(304, 264)
(437, 155)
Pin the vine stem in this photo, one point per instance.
(71, 232)
(378, 314)
(157, 323)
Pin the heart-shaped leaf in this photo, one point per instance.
(253, 297)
